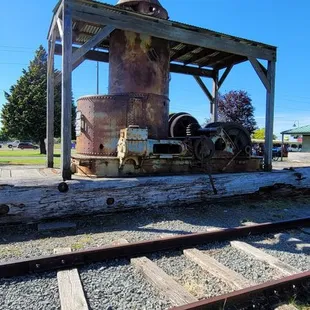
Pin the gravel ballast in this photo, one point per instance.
(292, 248)
(190, 275)
(37, 292)
(117, 285)
(250, 268)
(138, 225)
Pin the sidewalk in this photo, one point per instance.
(27, 172)
(294, 159)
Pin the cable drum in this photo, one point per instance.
(238, 135)
(204, 148)
(178, 124)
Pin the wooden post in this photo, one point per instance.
(66, 87)
(282, 147)
(271, 73)
(215, 91)
(50, 102)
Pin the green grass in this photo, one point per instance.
(24, 153)
(20, 153)
(28, 157)
(27, 161)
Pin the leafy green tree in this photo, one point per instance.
(260, 134)
(3, 136)
(24, 113)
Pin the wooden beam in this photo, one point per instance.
(60, 29)
(260, 255)
(183, 51)
(224, 76)
(218, 270)
(230, 61)
(215, 92)
(191, 71)
(271, 75)
(203, 87)
(91, 43)
(66, 98)
(217, 59)
(167, 30)
(255, 64)
(175, 292)
(196, 57)
(54, 21)
(50, 102)
(71, 293)
(262, 67)
(174, 68)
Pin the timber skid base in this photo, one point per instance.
(105, 166)
(30, 200)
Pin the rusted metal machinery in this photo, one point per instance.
(130, 132)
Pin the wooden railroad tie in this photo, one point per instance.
(70, 288)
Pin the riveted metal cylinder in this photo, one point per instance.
(104, 116)
(138, 63)
(102, 119)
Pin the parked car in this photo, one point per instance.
(27, 145)
(13, 144)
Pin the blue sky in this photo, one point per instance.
(285, 24)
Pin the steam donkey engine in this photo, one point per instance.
(130, 132)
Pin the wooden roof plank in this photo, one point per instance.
(229, 61)
(203, 54)
(174, 68)
(183, 51)
(158, 28)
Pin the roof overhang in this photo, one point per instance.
(191, 46)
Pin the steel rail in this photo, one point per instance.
(79, 258)
(226, 300)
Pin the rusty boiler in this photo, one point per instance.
(138, 88)
(129, 131)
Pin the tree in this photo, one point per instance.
(236, 106)
(24, 113)
(260, 134)
(3, 136)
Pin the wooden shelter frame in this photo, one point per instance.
(83, 27)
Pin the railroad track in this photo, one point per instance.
(236, 291)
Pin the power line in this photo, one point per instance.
(19, 47)
(13, 63)
(12, 51)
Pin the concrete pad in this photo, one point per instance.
(25, 174)
(5, 173)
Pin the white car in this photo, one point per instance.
(13, 144)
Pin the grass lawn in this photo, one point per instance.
(27, 161)
(28, 157)
(20, 153)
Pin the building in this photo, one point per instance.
(303, 131)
